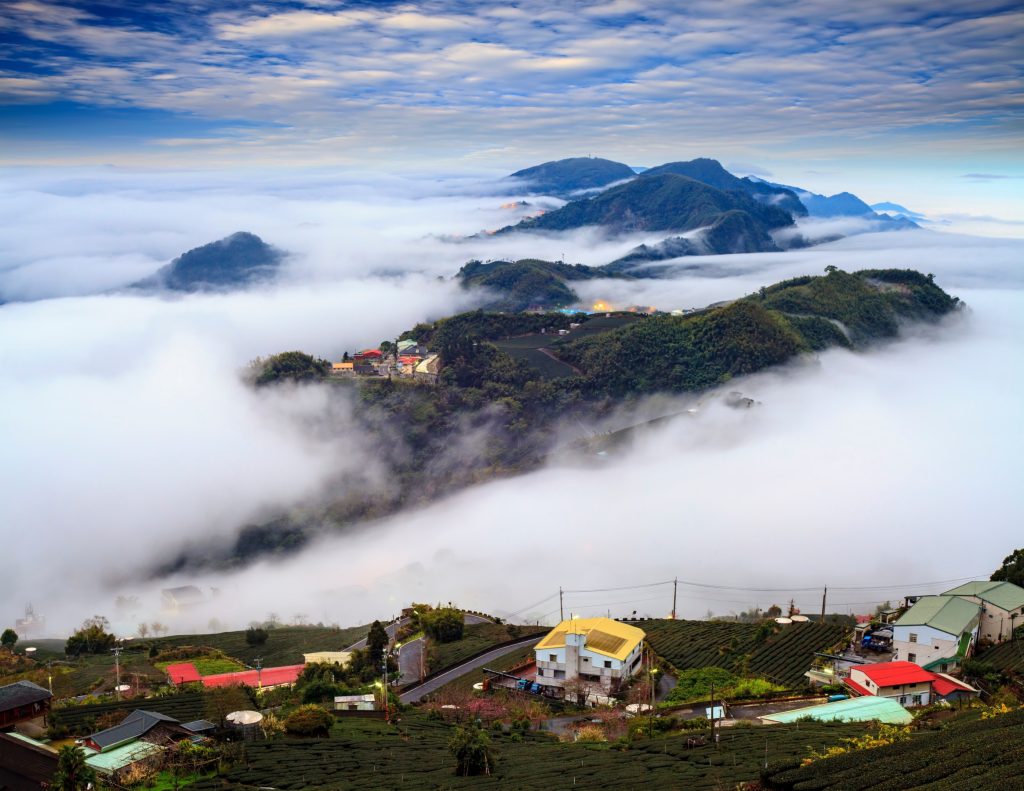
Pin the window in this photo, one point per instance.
(903, 700)
(915, 700)
(913, 637)
(911, 657)
(552, 657)
(540, 671)
(559, 674)
(586, 659)
(607, 663)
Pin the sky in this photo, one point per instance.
(897, 100)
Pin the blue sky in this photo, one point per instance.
(898, 99)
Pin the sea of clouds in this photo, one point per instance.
(127, 432)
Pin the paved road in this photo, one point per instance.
(416, 694)
(410, 655)
(391, 628)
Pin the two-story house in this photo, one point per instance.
(937, 633)
(600, 652)
(1002, 607)
(907, 683)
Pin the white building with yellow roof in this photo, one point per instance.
(598, 651)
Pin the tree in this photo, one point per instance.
(91, 638)
(377, 642)
(221, 701)
(143, 630)
(775, 611)
(256, 635)
(8, 639)
(472, 750)
(1012, 569)
(444, 624)
(73, 773)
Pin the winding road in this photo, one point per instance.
(420, 691)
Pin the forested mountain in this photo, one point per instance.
(564, 177)
(497, 385)
(236, 261)
(659, 202)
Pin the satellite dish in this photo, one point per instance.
(479, 686)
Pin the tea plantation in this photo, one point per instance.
(363, 754)
(81, 720)
(965, 756)
(751, 649)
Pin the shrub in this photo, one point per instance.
(309, 720)
(444, 625)
(256, 635)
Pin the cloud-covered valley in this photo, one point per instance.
(127, 431)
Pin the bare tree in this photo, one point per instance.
(143, 630)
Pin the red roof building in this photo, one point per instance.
(906, 681)
(368, 354)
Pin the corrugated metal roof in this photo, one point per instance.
(136, 724)
(950, 614)
(1005, 595)
(864, 709)
(611, 638)
(110, 761)
(22, 693)
(895, 674)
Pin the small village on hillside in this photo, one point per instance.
(724, 702)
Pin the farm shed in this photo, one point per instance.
(355, 703)
(25, 765)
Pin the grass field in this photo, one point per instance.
(206, 665)
(476, 637)
(362, 754)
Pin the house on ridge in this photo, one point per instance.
(600, 652)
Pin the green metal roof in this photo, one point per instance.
(110, 761)
(950, 614)
(1002, 594)
(865, 709)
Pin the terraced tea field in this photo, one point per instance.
(783, 657)
(363, 754)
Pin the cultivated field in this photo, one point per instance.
(362, 754)
(782, 657)
(964, 756)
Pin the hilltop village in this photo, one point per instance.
(472, 698)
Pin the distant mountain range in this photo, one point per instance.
(237, 261)
(731, 214)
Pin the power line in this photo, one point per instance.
(622, 588)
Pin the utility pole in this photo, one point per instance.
(675, 591)
(258, 661)
(824, 595)
(561, 608)
(712, 711)
(117, 666)
(384, 662)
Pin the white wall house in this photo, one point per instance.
(600, 652)
(937, 633)
(906, 682)
(1002, 607)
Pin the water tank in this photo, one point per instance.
(246, 723)
(799, 619)
(783, 620)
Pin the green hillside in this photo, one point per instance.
(966, 755)
(780, 654)
(563, 177)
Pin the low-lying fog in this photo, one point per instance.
(126, 430)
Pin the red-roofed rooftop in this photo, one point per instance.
(183, 673)
(894, 674)
(270, 677)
